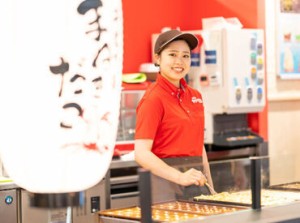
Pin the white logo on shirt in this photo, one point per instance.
(196, 100)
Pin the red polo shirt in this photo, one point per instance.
(173, 117)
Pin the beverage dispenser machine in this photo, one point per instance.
(230, 77)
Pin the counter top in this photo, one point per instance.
(117, 163)
(8, 185)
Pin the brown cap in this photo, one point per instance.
(167, 37)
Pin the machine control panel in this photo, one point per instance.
(231, 72)
(95, 204)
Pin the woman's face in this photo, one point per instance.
(175, 61)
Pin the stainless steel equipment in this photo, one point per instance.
(123, 185)
(232, 131)
(9, 203)
(95, 200)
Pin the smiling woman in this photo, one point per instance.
(170, 119)
(60, 93)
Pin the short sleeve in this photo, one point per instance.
(149, 114)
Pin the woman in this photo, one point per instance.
(170, 116)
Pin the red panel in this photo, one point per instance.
(143, 18)
(121, 149)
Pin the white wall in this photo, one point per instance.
(283, 111)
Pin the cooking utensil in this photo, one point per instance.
(211, 190)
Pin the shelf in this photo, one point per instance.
(278, 97)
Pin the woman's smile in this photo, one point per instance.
(178, 69)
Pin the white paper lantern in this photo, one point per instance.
(60, 85)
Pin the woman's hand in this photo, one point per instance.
(192, 176)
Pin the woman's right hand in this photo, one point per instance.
(192, 176)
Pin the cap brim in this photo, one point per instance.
(188, 37)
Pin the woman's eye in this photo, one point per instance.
(172, 54)
(186, 56)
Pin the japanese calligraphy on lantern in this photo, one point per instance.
(60, 92)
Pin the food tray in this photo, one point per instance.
(202, 208)
(294, 186)
(174, 211)
(268, 197)
(158, 215)
(240, 138)
(220, 201)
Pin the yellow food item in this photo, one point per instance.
(173, 211)
(198, 208)
(157, 214)
(291, 186)
(268, 197)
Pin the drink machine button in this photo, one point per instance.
(253, 72)
(259, 49)
(253, 59)
(249, 93)
(260, 63)
(259, 93)
(253, 41)
(260, 78)
(238, 93)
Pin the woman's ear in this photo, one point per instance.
(157, 59)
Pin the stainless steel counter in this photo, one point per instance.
(8, 185)
(122, 164)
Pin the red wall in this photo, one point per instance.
(143, 18)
